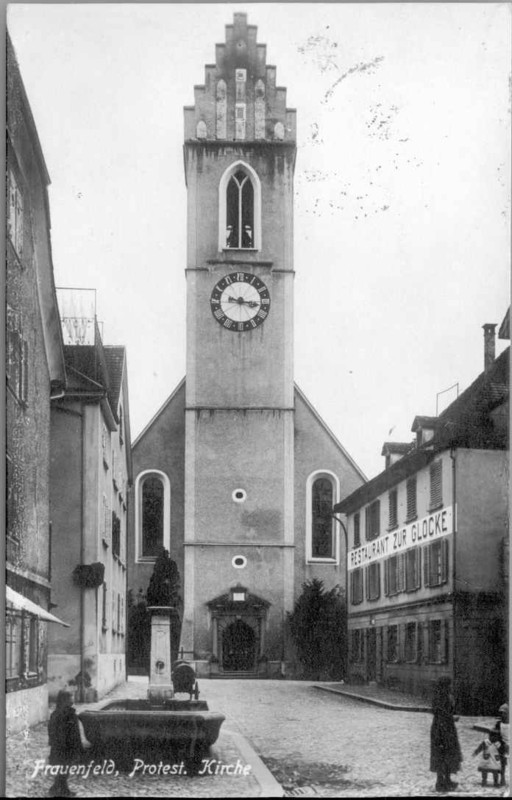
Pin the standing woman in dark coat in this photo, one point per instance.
(445, 754)
(65, 742)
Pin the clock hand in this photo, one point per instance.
(240, 301)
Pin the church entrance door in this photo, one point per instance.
(238, 647)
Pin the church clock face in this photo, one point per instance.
(240, 301)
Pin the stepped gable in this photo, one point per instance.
(239, 100)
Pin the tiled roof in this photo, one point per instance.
(466, 423)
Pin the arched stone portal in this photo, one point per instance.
(238, 630)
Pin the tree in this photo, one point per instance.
(317, 626)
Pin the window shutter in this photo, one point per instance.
(444, 641)
(436, 484)
(444, 560)
(367, 582)
(386, 576)
(19, 223)
(400, 572)
(426, 565)
(417, 577)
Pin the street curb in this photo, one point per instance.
(269, 787)
(373, 701)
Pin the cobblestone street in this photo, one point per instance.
(335, 745)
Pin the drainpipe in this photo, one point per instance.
(453, 456)
(82, 558)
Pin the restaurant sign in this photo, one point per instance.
(418, 533)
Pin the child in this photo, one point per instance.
(65, 742)
(502, 728)
(490, 761)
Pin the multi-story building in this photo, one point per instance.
(35, 375)
(428, 551)
(90, 480)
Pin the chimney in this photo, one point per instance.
(489, 345)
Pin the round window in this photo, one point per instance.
(239, 495)
(239, 562)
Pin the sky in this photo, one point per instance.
(402, 189)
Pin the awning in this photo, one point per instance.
(24, 604)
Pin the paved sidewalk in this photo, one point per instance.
(27, 754)
(376, 695)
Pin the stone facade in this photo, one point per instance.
(35, 374)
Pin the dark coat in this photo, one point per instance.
(64, 737)
(445, 753)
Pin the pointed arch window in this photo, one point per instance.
(153, 514)
(321, 495)
(240, 209)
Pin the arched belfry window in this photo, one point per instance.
(239, 209)
(152, 514)
(322, 537)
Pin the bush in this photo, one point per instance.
(317, 626)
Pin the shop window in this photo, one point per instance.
(17, 356)
(240, 208)
(373, 581)
(412, 569)
(435, 563)
(15, 214)
(437, 641)
(373, 520)
(356, 586)
(152, 513)
(32, 626)
(357, 530)
(410, 642)
(394, 580)
(13, 644)
(436, 485)
(393, 509)
(392, 643)
(412, 512)
(357, 646)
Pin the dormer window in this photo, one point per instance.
(240, 209)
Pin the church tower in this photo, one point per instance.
(237, 475)
(239, 156)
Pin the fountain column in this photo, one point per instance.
(160, 681)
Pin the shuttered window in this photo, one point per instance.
(15, 214)
(436, 485)
(17, 356)
(104, 610)
(412, 570)
(373, 581)
(392, 643)
(438, 641)
(357, 530)
(356, 586)
(357, 646)
(411, 499)
(394, 574)
(393, 509)
(435, 563)
(373, 520)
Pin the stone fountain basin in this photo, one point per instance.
(174, 730)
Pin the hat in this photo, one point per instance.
(504, 708)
